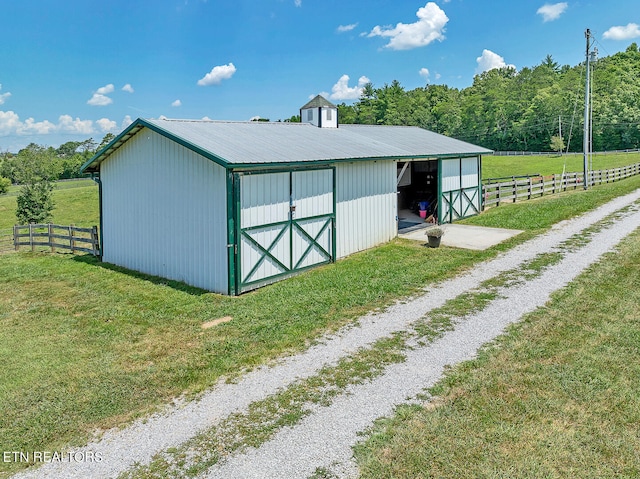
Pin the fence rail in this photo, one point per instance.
(73, 238)
(551, 153)
(535, 186)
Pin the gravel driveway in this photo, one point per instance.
(323, 439)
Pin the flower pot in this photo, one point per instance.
(434, 241)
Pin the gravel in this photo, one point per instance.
(324, 438)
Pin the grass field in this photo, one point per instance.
(501, 166)
(86, 346)
(75, 202)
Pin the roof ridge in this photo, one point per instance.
(209, 120)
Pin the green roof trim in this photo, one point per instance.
(307, 164)
(132, 130)
(318, 102)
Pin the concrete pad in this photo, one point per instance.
(465, 236)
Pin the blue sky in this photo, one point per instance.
(75, 69)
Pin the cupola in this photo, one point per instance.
(320, 112)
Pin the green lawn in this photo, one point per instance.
(75, 202)
(501, 166)
(86, 346)
(558, 397)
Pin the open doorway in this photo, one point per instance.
(417, 194)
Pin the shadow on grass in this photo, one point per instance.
(157, 280)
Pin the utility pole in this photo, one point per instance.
(560, 126)
(560, 131)
(586, 144)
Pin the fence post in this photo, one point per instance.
(498, 195)
(51, 242)
(72, 243)
(530, 187)
(94, 240)
(514, 190)
(15, 237)
(33, 247)
(484, 195)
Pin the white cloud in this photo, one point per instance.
(30, 127)
(100, 97)
(489, 61)
(298, 3)
(551, 12)
(424, 73)
(342, 91)
(128, 88)
(105, 90)
(346, 28)
(9, 122)
(126, 122)
(176, 103)
(99, 100)
(632, 30)
(3, 96)
(106, 125)
(69, 125)
(217, 74)
(428, 28)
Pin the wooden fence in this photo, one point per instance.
(73, 238)
(534, 186)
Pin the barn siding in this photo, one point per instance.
(366, 205)
(450, 175)
(164, 212)
(470, 172)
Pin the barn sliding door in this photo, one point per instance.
(286, 224)
(459, 189)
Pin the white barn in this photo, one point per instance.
(232, 206)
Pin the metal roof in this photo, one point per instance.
(254, 144)
(319, 101)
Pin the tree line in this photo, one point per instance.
(534, 109)
(36, 168)
(505, 109)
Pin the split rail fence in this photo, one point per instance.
(73, 238)
(535, 186)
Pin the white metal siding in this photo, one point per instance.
(312, 193)
(329, 118)
(470, 175)
(450, 175)
(264, 199)
(366, 205)
(164, 212)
